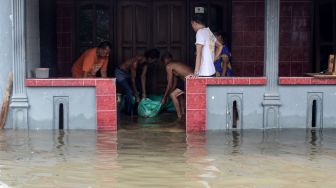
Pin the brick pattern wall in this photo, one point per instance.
(65, 37)
(248, 37)
(295, 37)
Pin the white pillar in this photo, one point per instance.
(19, 103)
(271, 101)
(6, 44)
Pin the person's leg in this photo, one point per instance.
(174, 96)
(128, 96)
(182, 104)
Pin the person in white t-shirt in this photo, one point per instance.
(208, 49)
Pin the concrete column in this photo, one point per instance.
(19, 103)
(6, 46)
(32, 36)
(271, 101)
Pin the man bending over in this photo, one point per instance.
(176, 73)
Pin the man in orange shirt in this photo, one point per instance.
(91, 61)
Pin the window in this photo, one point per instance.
(94, 21)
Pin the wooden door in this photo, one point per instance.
(169, 34)
(149, 24)
(134, 28)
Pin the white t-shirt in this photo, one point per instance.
(206, 38)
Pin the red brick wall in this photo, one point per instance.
(248, 37)
(295, 37)
(65, 36)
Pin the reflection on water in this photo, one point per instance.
(162, 157)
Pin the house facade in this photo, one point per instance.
(274, 44)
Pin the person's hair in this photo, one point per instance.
(166, 55)
(105, 44)
(199, 18)
(222, 34)
(152, 53)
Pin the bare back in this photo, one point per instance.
(180, 70)
(125, 66)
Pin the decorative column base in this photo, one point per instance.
(19, 107)
(271, 105)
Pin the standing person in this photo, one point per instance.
(91, 61)
(223, 63)
(127, 76)
(176, 74)
(206, 53)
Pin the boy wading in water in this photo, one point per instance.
(208, 49)
(176, 74)
(129, 72)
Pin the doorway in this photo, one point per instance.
(325, 32)
(133, 26)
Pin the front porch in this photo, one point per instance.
(260, 55)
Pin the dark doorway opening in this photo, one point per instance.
(325, 32)
(235, 116)
(61, 117)
(314, 113)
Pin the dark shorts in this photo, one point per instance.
(181, 85)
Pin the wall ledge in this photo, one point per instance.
(229, 80)
(306, 81)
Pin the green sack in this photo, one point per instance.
(149, 108)
(169, 106)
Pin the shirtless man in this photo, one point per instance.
(176, 73)
(129, 71)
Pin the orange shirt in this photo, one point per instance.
(89, 62)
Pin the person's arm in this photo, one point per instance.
(133, 76)
(170, 83)
(89, 60)
(143, 81)
(85, 74)
(103, 74)
(200, 42)
(103, 70)
(219, 48)
(199, 48)
(225, 62)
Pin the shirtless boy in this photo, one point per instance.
(176, 76)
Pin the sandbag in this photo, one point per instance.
(169, 106)
(149, 108)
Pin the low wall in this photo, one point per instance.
(86, 103)
(306, 102)
(297, 95)
(207, 100)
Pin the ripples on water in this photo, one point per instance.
(150, 157)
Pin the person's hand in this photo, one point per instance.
(192, 76)
(138, 99)
(163, 101)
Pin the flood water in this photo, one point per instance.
(152, 156)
